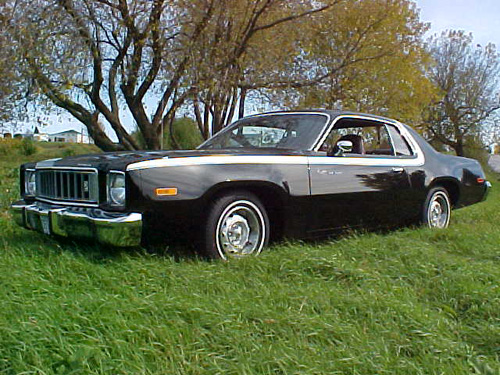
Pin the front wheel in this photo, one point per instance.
(237, 226)
(437, 209)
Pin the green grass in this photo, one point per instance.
(412, 301)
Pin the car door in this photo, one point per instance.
(367, 187)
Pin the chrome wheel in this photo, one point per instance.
(241, 230)
(438, 212)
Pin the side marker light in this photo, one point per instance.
(166, 192)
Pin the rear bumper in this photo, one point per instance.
(115, 229)
(487, 190)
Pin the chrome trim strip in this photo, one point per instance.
(89, 169)
(115, 171)
(281, 113)
(66, 203)
(129, 218)
(367, 162)
(218, 160)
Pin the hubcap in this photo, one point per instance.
(240, 230)
(439, 211)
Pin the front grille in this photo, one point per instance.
(67, 185)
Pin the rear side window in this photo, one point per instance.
(401, 146)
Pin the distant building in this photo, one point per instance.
(39, 136)
(18, 135)
(494, 148)
(71, 136)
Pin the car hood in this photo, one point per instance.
(120, 160)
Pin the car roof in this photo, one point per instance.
(332, 113)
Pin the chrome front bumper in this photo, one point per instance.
(115, 229)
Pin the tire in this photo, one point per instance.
(236, 226)
(437, 209)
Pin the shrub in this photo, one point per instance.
(28, 147)
(68, 152)
(9, 146)
(186, 134)
(475, 149)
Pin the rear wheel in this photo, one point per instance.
(237, 226)
(437, 209)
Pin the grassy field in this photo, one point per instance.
(412, 301)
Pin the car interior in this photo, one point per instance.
(367, 138)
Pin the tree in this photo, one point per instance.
(246, 41)
(369, 57)
(94, 57)
(97, 59)
(467, 76)
(361, 55)
(10, 82)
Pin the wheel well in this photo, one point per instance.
(270, 196)
(452, 188)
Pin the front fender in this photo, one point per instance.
(198, 181)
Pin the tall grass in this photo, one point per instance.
(413, 301)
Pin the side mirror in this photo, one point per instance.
(341, 148)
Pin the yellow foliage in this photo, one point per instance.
(375, 49)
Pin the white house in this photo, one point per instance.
(71, 136)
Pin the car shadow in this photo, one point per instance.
(179, 251)
(347, 232)
(33, 243)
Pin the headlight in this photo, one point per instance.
(116, 188)
(30, 182)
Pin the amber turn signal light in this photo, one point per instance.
(163, 192)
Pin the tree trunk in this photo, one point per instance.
(171, 134)
(243, 96)
(100, 138)
(459, 148)
(150, 134)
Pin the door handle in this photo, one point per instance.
(397, 170)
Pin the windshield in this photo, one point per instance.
(284, 131)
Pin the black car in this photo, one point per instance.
(294, 174)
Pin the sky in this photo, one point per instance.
(480, 17)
